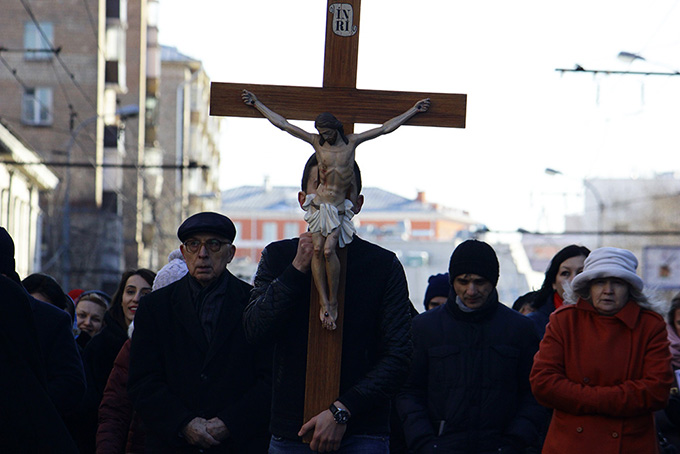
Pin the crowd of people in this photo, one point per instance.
(192, 359)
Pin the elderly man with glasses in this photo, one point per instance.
(196, 383)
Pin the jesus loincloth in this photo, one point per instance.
(325, 218)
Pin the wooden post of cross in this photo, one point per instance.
(350, 105)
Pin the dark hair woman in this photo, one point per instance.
(102, 350)
(564, 266)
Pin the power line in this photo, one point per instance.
(19, 121)
(71, 109)
(23, 84)
(580, 69)
(13, 71)
(602, 232)
(94, 27)
(57, 54)
(190, 166)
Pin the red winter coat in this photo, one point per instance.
(119, 428)
(604, 376)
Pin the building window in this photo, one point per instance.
(34, 41)
(269, 232)
(110, 136)
(111, 72)
(37, 106)
(291, 230)
(116, 9)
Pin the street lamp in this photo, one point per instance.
(629, 57)
(598, 199)
(124, 112)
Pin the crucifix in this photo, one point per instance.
(340, 96)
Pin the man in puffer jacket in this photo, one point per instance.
(468, 391)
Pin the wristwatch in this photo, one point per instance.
(340, 415)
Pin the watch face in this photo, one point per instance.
(341, 416)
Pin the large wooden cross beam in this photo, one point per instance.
(339, 94)
(350, 105)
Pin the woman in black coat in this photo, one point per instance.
(564, 267)
(101, 351)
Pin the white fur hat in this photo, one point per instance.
(608, 262)
(173, 271)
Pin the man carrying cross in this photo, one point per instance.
(376, 342)
(330, 210)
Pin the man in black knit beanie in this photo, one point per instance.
(468, 390)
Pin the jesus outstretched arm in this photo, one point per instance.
(277, 120)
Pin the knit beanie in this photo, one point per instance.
(607, 262)
(437, 285)
(173, 271)
(474, 257)
(7, 264)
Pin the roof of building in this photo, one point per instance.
(169, 53)
(284, 198)
(14, 149)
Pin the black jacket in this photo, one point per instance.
(376, 343)
(541, 316)
(29, 419)
(470, 381)
(176, 375)
(98, 357)
(64, 368)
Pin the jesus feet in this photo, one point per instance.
(328, 316)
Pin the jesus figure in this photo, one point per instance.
(329, 211)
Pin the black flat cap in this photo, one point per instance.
(207, 222)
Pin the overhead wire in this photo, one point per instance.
(94, 27)
(660, 26)
(21, 82)
(25, 86)
(57, 53)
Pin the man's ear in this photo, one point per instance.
(302, 195)
(359, 204)
(233, 252)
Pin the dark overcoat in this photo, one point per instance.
(176, 375)
(29, 419)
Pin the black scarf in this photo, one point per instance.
(208, 302)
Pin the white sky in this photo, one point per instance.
(522, 116)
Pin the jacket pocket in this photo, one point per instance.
(444, 364)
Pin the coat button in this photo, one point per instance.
(615, 435)
(586, 380)
(579, 429)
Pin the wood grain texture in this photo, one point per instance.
(324, 353)
(349, 105)
(341, 53)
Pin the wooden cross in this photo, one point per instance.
(350, 105)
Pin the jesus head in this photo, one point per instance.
(329, 127)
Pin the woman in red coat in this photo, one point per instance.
(604, 363)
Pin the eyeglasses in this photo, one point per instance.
(212, 245)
